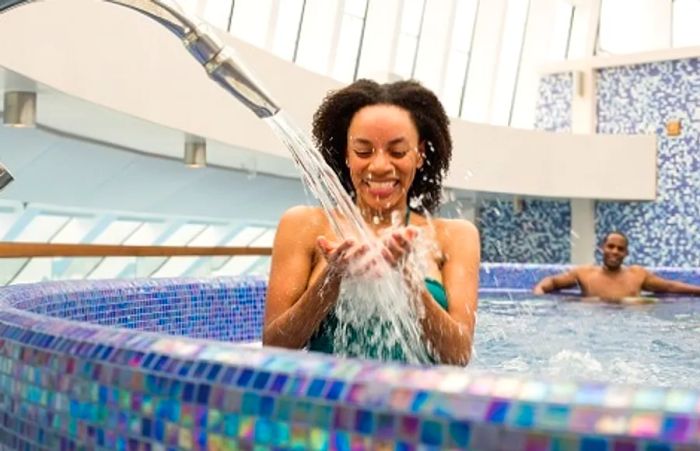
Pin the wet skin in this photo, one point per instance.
(383, 155)
(612, 281)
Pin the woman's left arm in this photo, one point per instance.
(451, 332)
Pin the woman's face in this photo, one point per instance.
(383, 155)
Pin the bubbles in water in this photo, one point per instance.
(416, 202)
(568, 362)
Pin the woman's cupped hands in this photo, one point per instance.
(361, 258)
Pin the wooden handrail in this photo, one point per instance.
(28, 250)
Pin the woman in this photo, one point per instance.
(390, 145)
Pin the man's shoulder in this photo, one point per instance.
(637, 269)
(584, 269)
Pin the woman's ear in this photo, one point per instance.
(421, 154)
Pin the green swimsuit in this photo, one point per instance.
(322, 340)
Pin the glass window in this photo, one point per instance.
(217, 12)
(561, 31)
(36, 270)
(145, 235)
(246, 236)
(287, 26)
(251, 21)
(74, 231)
(184, 235)
(509, 61)
(182, 266)
(42, 228)
(629, 26)
(348, 48)
(460, 50)
(251, 237)
(686, 17)
(317, 35)
(117, 231)
(8, 216)
(355, 8)
(188, 6)
(411, 19)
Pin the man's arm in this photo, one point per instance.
(557, 282)
(658, 284)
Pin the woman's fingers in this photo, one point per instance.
(355, 257)
(398, 245)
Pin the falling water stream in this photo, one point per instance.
(380, 305)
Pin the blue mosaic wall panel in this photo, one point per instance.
(541, 232)
(553, 110)
(641, 99)
(537, 233)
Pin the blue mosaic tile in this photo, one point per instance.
(641, 99)
(538, 233)
(69, 385)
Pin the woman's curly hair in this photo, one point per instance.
(332, 120)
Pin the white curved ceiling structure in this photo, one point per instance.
(110, 74)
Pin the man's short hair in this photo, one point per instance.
(616, 232)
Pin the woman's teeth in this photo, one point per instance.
(381, 188)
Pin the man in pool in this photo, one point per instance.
(613, 281)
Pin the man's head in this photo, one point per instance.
(614, 249)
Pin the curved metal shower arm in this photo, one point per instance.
(219, 60)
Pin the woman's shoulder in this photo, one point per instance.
(455, 229)
(304, 217)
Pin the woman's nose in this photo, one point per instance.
(380, 161)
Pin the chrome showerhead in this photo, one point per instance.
(5, 177)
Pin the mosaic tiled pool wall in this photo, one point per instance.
(523, 277)
(539, 232)
(78, 385)
(641, 99)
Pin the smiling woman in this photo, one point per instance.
(390, 146)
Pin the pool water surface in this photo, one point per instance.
(562, 337)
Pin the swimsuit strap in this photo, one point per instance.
(408, 216)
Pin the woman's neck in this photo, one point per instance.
(380, 219)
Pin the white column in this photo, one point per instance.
(583, 242)
(583, 120)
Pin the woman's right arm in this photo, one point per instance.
(296, 305)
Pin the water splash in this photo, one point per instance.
(380, 303)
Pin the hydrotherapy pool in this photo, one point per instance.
(136, 383)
